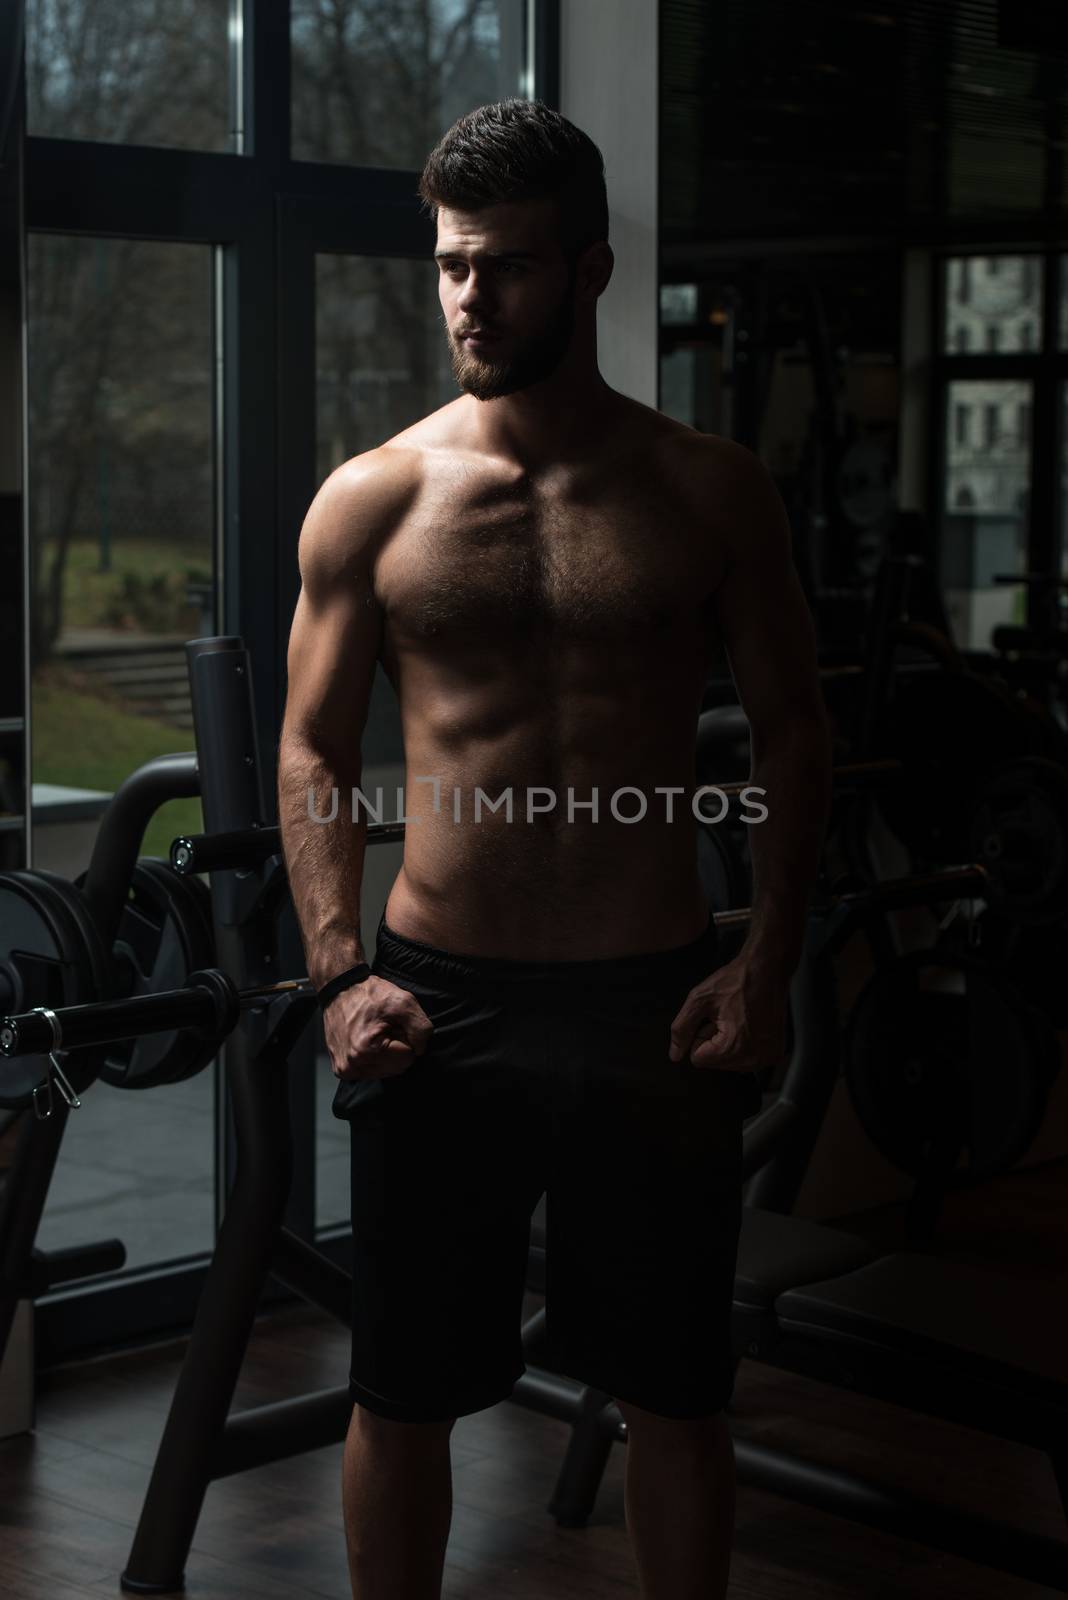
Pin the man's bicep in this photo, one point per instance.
(761, 610)
(336, 635)
(331, 665)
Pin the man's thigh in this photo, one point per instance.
(444, 1177)
(644, 1211)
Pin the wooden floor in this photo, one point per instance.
(70, 1494)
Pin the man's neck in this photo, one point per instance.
(546, 425)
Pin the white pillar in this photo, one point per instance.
(609, 87)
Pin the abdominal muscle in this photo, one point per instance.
(548, 888)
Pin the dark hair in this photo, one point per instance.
(520, 150)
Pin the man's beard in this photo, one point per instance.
(530, 361)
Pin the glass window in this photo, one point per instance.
(130, 72)
(377, 84)
(121, 508)
(138, 1165)
(382, 363)
(678, 381)
(678, 302)
(121, 523)
(984, 528)
(382, 354)
(997, 308)
(991, 424)
(692, 389)
(961, 415)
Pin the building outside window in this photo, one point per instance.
(991, 307)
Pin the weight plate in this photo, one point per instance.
(1019, 833)
(50, 956)
(103, 976)
(165, 932)
(942, 1056)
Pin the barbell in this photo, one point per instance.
(53, 955)
(209, 1003)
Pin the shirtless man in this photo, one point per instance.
(542, 567)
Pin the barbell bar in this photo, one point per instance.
(209, 1002)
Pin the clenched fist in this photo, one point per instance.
(374, 1030)
(735, 1020)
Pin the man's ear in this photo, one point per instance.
(594, 272)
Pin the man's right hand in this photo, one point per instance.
(374, 1030)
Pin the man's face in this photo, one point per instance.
(502, 269)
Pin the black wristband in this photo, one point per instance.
(343, 980)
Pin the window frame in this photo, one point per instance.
(265, 215)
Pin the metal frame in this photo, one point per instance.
(265, 216)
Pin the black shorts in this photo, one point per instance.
(545, 1077)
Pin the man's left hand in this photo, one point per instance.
(735, 1020)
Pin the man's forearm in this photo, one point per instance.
(324, 860)
(795, 770)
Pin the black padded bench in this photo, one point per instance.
(943, 1337)
(963, 1343)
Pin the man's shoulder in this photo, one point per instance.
(710, 452)
(357, 509)
(387, 469)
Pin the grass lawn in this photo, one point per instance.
(90, 741)
(88, 592)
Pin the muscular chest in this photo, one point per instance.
(513, 565)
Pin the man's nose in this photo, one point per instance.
(474, 293)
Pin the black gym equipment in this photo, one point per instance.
(53, 957)
(1034, 960)
(949, 1068)
(58, 951)
(125, 927)
(1019, 832)
(165, 932)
